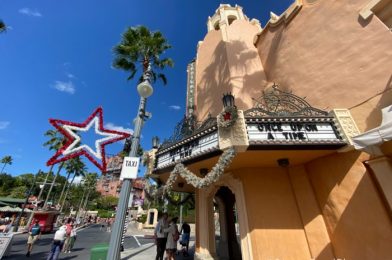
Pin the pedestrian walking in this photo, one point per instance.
(186, 233)
(172, 237)
(71, 240)
(109, 225)
(34, 235)
(58, 243)
(68, 234)
(161, 236)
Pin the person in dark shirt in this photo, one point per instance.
(186, 232)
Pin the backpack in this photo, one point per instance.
(176, 236)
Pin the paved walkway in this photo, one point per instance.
(148, 251)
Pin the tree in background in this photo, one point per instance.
(6, 160)
(78, 168)
(107, 202)
(55, 142)
(3, 27)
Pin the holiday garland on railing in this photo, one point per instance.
(224, 160)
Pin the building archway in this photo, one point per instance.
(225, 215)
(207, 246)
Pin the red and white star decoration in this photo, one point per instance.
(71, 149)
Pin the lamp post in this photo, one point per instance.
(228, 100)
(155, 142)
(145, 90)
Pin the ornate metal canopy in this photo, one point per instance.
(187, 127)
(279, 103)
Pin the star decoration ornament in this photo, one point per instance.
(227, 116)
(71, 149)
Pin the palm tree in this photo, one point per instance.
(90, 180)
(55, 142)
(78, 168)
(6, 160)
(3, 27)
(140, 45)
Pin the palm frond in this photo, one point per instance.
(140, 45)
(3, 27)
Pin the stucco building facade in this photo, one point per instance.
(305, 84)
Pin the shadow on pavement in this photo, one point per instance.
(78, 249)
(128, 257)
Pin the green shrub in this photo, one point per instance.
(142, 218)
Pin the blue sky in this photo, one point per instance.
(55, 62)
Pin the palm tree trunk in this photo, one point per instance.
(80, 204)
(66, 194)
(85, 202)
(46, 179)
(3, 168)
(64, 186)
(52, 185)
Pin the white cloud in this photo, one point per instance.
(62, 86)
(70, 75)
(78, 179)
(114, 127)
(175, 107)
(4, 124)
(30, 12)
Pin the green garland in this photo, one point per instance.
(199, 183)
(232, 110)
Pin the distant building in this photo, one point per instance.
(305, 86)
(110, 184)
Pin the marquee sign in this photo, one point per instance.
(187, 149)
(293, 131)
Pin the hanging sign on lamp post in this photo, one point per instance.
(130, 168)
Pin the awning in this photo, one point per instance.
(378, 135)
(11, 209)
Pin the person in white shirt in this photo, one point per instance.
(172, 237)
(58, 242)
(161, 236)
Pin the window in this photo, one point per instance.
(231, 19)
(216, 26)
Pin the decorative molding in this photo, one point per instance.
(346, 125)
(367, 10)
(279, 103)
(149, 161)
(285, 17)
(235, 136)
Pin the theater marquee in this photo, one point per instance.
(293, 130)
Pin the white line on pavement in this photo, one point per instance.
(80, 229)
(137, 241)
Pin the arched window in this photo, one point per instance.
(231, 19)
(216, 25)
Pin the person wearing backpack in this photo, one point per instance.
(34, 235)
(172, 237)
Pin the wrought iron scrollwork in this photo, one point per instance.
(187, 127)
(279, 103)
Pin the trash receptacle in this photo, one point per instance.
(99, 251)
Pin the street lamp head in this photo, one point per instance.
(228, 100)
(155, 142)
(145, 89)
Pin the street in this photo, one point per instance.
(86, 239)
